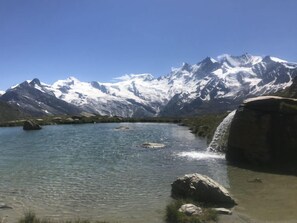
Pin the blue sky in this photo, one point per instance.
(103, 39)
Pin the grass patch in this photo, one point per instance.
(30, 217)
(205, 125)
(174, 216)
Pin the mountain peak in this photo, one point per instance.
(209, 60)
(278, 60)
(239, 61)
(72, 79)
(35, 81)
(186, 67)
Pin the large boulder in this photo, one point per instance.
(200, 188)
(264, 133)
(31, 125)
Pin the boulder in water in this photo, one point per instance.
(31, 125)
(263, 133)
(201, 188)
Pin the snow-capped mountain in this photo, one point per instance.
(30, 98)
(211, 85)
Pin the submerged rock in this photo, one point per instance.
(264, 133)
(201, 188)
(4, 206)
(190, 209)
(153, 145)
(31, 125)
(122, 128)
(255, 180)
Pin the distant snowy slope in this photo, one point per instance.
(33, 98)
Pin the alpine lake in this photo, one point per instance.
(102, 172)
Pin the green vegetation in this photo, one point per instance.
(64, 119)
(174, 216)
(205, 125)
(30, 217)
(288, 108)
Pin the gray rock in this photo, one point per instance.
(190, 209)
(222, 211)
(201, 188)
(31, 125)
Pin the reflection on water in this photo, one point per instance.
(273, 198)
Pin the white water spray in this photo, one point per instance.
(201, 155)
(220, 138)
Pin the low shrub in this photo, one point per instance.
(174, 216)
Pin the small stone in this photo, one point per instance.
(222, 211)
(255, 180)
(190, 209)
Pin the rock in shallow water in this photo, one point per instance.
(201, 188)
(122, 128)
(31, 125)
(153, 145)
(4, 206)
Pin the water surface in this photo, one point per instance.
(95, 171)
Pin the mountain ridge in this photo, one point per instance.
(207, 86)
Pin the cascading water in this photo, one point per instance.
(220, 138)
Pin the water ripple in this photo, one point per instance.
(92, 171)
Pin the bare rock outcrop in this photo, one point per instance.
(264, 133)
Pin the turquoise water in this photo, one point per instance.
(95, 171)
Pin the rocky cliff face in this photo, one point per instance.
(8, 112)
(290, 92)
(264, 132)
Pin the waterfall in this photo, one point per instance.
(220, 137)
